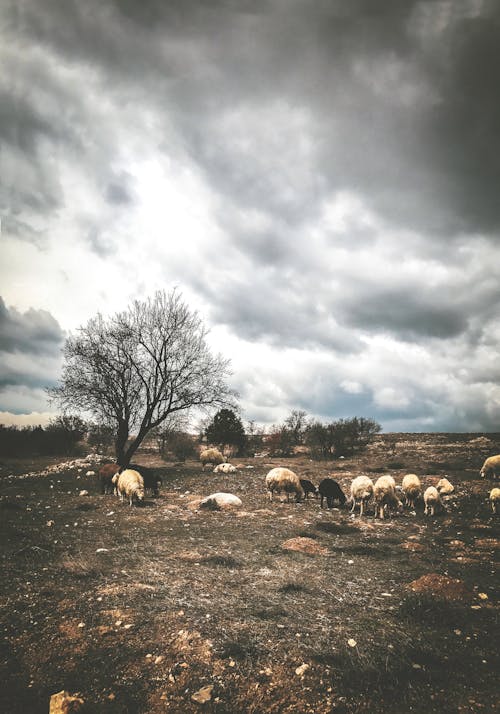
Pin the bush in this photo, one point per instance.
(342, 437)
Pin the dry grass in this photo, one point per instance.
(213, 597)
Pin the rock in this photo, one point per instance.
(203, 695)
(300, 671)
(83, 493)
(351, 642)
(65, 703)
(304, 545)
(90, 473)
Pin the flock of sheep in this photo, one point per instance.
(131, 483)
(384, 492)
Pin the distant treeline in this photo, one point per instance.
(63, 436)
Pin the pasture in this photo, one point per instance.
(140, 609)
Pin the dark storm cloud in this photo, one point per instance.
(464, 128)
(407, 315)
(33, 332)
(409, 123)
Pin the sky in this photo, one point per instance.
(320, 179)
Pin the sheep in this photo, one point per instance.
(362, 491)
(152, 482)
(211, 456)
(331, 490)
(384, 492)
(106, 473)
(129, 483)
(412, 489)
(281, 479)
(445, 487)
(432, 500)
(495, 500)
(491, 467)
(221, 501)
(308, 487)
(225, 468)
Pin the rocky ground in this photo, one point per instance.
(274, 607)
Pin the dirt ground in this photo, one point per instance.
(157, 608)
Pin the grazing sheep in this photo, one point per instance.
(491, 467)
(130, 484)
(281, 479)
(361, 492)
(495, 500)
(106, 473)
(445, 487)
(152, 482)
(432, 500)
(225, 468)
(412, 489)
(221, 501)
(211, 456)
(331, 490)
(385, 496)
(308, 487)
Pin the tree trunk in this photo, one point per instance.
(120, 443)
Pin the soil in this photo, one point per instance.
(166, 608)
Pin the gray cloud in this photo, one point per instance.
(350, 154)
(32, 332)
(394, 102)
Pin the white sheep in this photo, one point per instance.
(221, 501)
(491, 467)
(361, 491)
(444, 487)
(412, 489)
(495, 500)
(384, 492)
(211, 456)
(432, 500)
(281, 479)
(130, 484)
(225, 468)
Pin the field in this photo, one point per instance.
(155, 608)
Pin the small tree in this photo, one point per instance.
(319, 439)
(100, 436)
(354, 434)
(136, 368)
(280, 440)
(254, 437)
(296, 423)
(226, 429)
(181, 445)
(64, 433)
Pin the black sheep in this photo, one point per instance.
(308, 487)
(331, 490)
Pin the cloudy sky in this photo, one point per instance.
(320, 178)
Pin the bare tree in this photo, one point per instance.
(296, 423)
(139, 366)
